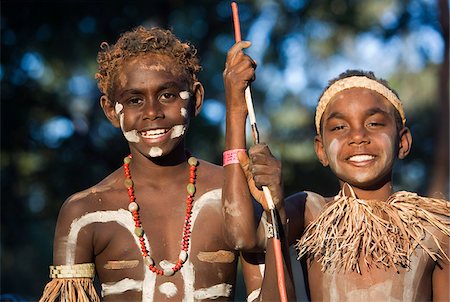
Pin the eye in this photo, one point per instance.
(375, 124)
(167, 97)
(337, 128)
(134, 101)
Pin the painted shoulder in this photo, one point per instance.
(315, 204)
(85, 200)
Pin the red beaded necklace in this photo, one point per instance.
(133, 207)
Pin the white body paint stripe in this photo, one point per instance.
(124, 218)
(121, 286)
(213, 292)
(253, 295)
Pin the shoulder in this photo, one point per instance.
(93, 198)
(315, 204)
(210, 174)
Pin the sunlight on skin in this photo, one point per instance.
(124, 218)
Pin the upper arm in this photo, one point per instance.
(72, 241)
(295, 211)
(441, 274)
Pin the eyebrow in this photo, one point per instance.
(165, 85)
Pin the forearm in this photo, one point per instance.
(278, 281)
(236, 198)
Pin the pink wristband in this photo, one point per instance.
(230, 156)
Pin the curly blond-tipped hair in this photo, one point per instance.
(140, 41)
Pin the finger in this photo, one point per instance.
(238, 47)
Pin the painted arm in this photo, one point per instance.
(73, 269)
(236, 198)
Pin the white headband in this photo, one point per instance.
(361, 82)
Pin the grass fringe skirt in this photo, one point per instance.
(70, 290)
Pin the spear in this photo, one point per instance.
(267, 194)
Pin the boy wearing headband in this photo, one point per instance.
(367, 242)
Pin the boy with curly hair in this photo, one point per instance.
(367, 242)
(153, 229)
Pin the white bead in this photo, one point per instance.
(132, 206)
(148, 261)
(168, 272)
(183, 256)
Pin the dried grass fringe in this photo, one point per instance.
(70, 290)
(351, 228)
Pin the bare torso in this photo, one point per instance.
(101, 230)
(374, 283)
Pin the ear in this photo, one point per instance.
(320, 151)
(199, 94)
(110, 111)
(405, 142)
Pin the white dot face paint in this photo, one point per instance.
(131, 135)
(333, 150)
(185, 95)
(168, 289)
(178, 131)
(183, 112)
(155, 152)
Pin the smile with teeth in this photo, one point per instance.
(153, 134)
(361, 158)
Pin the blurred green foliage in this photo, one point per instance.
(55, 140)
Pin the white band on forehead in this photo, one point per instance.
(356, 82)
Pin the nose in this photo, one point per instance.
(152, 110)
(359, 136)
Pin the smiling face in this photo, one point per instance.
(360, 140)
(153, 104)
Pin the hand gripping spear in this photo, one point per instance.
(267, 195)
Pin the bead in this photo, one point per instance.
(183, 256)
(149, 261)
(132, 206)
(128, 183)
(190, 189)
(139, 232)
(168, 272)
(192, 161)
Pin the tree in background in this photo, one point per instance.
(55, 140)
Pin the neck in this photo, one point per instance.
(158, 168)
(381, 193)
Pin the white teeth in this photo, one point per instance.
(361, 158)
(153, 133)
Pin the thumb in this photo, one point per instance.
(257, 194)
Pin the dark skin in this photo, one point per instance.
(360, 141)
(246, 180)
(148, 95)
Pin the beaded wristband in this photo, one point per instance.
(84, 270)
(230, 156)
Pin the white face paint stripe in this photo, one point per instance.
(112, 288)
(118, 107)
(178, 130)
(213, 292)
(183, 112)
